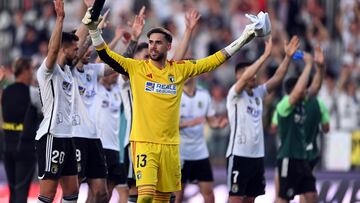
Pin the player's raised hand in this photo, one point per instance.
(308, 59)
(2, 73)
(138, 24)
(268, 47)
(89, 3)
(191, 18)
(103, 23)
(319, 57)
(59, 8)
(91, 25)
(121, 33)
(291, 47)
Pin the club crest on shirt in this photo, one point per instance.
(81, 90)
(88, 77)
(104, 104)
(66, 86)
(257, 101)
(138, 175)
(200, 104)
(171, 78)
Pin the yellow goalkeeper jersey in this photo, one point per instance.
(157, 93)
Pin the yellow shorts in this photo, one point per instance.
(157, 164)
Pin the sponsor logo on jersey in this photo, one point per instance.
(160, 88)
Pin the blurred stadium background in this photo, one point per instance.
(26, 25)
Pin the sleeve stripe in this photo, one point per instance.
(104, 56)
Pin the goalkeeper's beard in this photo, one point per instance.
(157, 56)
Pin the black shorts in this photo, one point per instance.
(116, 170)
(196, 171)
(295, 178)
(245, 176)
(90, 158)
(56, 157)
(129, 167)
(313, 163)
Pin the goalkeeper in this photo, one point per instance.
(157, 86)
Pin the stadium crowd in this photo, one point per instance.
(26, 27)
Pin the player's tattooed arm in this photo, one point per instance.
(191, 19)
(319, 60)
(289, 48)
(55, 39)
(298, 91)
(250, 71)
(137, 28)
(82, 50)
(82, 31)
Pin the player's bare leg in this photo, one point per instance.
(123, 192)
(249, 200)
(98, 190)
(206, 189)
(47, 190)
(281, 200)
(310, 197)
(179, 195)
(236, 199)
(70, 187)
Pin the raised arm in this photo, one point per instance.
(136, 31)
(319, 60)
(253, 68)
(82, 32)
(298, 91)
(116, 61)
(211, 62)
(191, 19)
(280, 73)
(55, 39)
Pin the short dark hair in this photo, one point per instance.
(161, 30)
(68, 37)
(242, 65)
(21, 64)
(141, 46)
